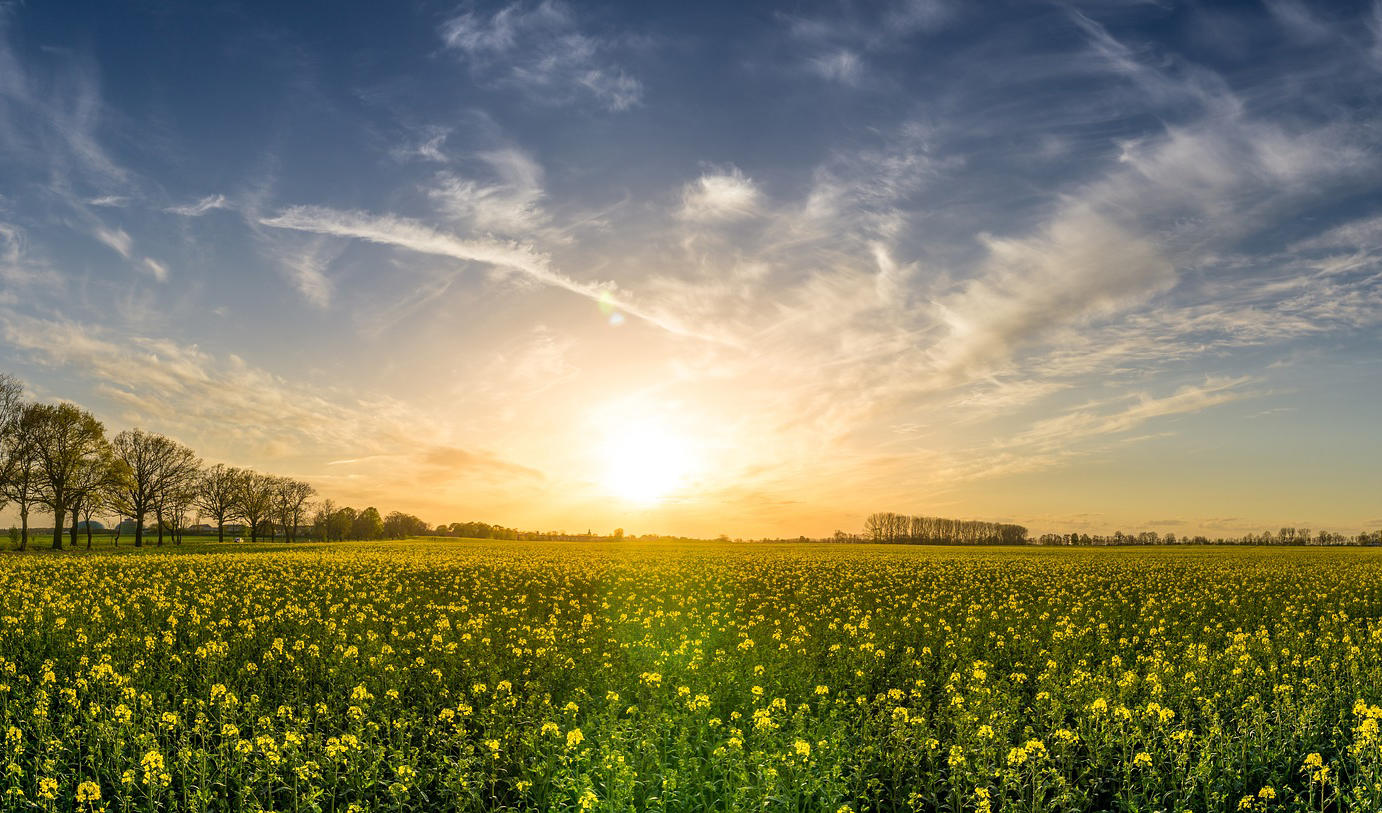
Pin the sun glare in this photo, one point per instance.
(645, 463)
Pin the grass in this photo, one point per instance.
(467, 674)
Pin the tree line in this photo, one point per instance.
(333, 524)
(57, 459)
(892, 528)
(484, 530)
(1286, 536)
(896, 528)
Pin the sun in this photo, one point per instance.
(645, 462)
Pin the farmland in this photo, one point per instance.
(498, 675)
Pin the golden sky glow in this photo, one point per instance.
(562, 268)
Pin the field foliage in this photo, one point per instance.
(500, 675)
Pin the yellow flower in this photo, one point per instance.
(981, 800)
(88, 792)
(152, 763)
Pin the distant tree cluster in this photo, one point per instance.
(477, 530)
(1286, 536)
(909, 530)
(56, 459)
(333, 524)
(484, 530)
(891, 528)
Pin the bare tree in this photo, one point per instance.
(66, 439)
(89, 483)
(146, 461)
(101, 500)
(303, 492)
(217, 493)
(95, 504)
(11, 406)
(18, 465)
(22, 482)
(254, 500)
(173, 493)
(179, 500)
(322, 518)
(290, 503)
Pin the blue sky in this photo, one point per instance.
(712, 268)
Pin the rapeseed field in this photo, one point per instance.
(441, 675)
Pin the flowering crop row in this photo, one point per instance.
(490, 676)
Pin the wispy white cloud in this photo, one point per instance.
(117, 239)
(1159, 83)
(1299, 21)
(1087, 422)
(53, 120)
(542, 50)
(158, 269)
(866, 193)
(836, 45)
(842, 66)
(307, 271)
(1089, 431)
(536, 363)
(193, 394)
(427, 146)
(1363, 234)
(1374, 24)
(200, 207)
(511, 206)
(20, 270)
(414, 236)
(720, 195)
(1082, 266)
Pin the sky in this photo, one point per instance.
(704, 268)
